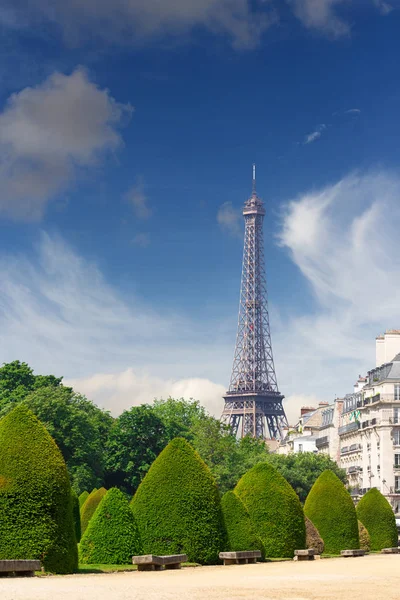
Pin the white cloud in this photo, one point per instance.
(59, 315)
(118, 391)
(322, 16)
(315, 135)
(230, 219)
(353, 111)
(47, 134)
(141, 239)
(138, 199)
(134, 21)
(344, 240)
(384, 7)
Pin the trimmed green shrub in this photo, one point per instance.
(240, 529)
(313, 539)
(36, 519)
(177, 506)
(77, 515)
(112, 536)
(330, 507)
(82, 498)
(376, 514)
(89, 507)
(275, 510)
(365, 540)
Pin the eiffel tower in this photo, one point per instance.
(253, 403)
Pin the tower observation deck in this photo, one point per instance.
(253, 403)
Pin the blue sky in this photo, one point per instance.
(127, 134)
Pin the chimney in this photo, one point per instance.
(306, 409)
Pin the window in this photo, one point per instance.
(301, 448)
(397, 483)
(397, 460)
(396, 415)
(396, 437)
(397, 391)
(368, 447)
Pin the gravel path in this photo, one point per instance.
(374, 577)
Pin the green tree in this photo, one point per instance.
(135, 440)
(17, 381)
(177, 506)
(330, 507)
(76, 512)
(376, 514)
(112, 537)
(36, 517)
(301, 470)
(179, 416)
(240, 529)
(79, 428)
(275, 510)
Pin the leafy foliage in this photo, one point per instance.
(376, 514)
(89, 507)
(112, 537)
(17, 381)
(83, 497)
(79, 428)
(135, 440)
(77, 515)
(313, 539)
(177, 506)
(275, 510)
(365, 540)
(179, 416)
(240, 530)
(302, 469)
(36, 518)
(330, 507)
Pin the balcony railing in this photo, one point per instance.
(323, 441)
(353, 469)
(348, 428)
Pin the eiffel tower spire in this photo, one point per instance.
(253, 403)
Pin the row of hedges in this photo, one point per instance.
(176, 509)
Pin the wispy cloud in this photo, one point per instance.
(352, 111)
(321, 15)
(58, 314)
(315, 135)
(384, 7)
(137, 198)
(344, 240)
(229, 219)
(141, 239)
(48, 134)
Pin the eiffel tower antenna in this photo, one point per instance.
(253, 403)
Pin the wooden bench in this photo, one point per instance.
(26, 568)
(355, 552)
(390, 551)
(240, 558)
(307, 554)
(151, 562)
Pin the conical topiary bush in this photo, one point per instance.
(89, 507)
(112, 536)
(376, 514)
(240, 530)
(36, 520)
(82, 498)
(275, 510)
(330, 507)
(177, 506)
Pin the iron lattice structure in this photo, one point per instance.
(253, 403)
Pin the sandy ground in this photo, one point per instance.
(372, 577)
